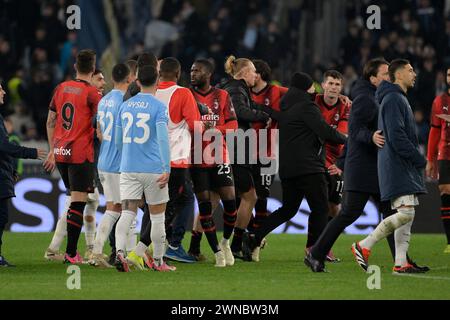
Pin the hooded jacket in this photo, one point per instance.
(360, 166)
(303, 132)
(9, 151)
(400, 163)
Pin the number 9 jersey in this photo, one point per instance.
(75, 103)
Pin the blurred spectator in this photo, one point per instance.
(423, 129)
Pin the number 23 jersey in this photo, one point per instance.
(136, 123)
(75, 103)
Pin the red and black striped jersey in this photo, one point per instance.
(337, 117)
(223, 118)
(441, 105)
(75, 103)
(270, 96)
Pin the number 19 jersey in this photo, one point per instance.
(137, 121)
(75, 104)
(107, 116)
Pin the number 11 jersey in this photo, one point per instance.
(75, 103)
(136, 123)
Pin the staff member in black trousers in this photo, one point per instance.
(8, 175)
(360, 167)
(303, 132)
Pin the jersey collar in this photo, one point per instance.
(263, 90)
(166, 84)
(322, 98)
(204, 94)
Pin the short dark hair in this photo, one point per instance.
(170, 67)
(207, 64)
(263, 69)
(396, 65)
(333, 74)
(97, 71)
(147, 59)
(85, 62)
(147, 76)
(132, 65)
(120, 73)
(372, 66)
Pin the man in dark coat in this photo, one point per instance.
(360, 163)
(400, 166)
(303, 132)
(8, 175)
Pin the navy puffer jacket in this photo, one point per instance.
(400, 163)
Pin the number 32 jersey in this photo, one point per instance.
(107, 116)
(136, 123)
(75, 103)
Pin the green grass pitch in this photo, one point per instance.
(281, 275)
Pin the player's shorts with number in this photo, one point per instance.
(212, 178)
(335, 188)
(134, 185)
(263, 182)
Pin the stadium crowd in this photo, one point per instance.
(37, 51)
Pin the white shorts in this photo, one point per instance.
(408, 200)
(134, 185)
(111, 186)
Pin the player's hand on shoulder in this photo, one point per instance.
(50, 163)
(345, 100)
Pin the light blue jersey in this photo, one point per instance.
(142, 134)
(107, 117)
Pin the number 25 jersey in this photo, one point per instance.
(75, 103)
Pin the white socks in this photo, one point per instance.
(140, 249)
(104, 229)
(158, 235)
(402, 236)
(89, 222)
(132, 236)
(123, 228)
(387, 226)
(61, 228)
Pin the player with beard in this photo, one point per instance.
(90, 211)
(70, 136)
(214, 173)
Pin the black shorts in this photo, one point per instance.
(335, 188)
(444, 171)
(263, 182)
(212, 178)
(243, 179)
(77, 177)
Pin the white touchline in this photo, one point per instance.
(422, 277)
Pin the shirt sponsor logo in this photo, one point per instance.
(211, 117)
(62, 152)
